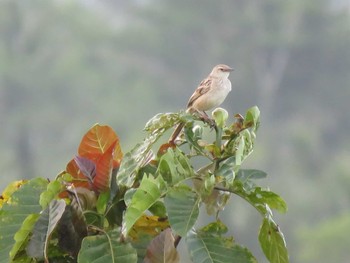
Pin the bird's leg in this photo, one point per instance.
(208, 120)
(204, 117)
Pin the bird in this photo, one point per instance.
(210, 93)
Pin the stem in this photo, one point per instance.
(218, 136)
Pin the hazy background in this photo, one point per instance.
(65, 66)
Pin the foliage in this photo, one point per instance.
(139, 207)
(73, 54)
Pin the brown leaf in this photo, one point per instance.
(162, 249)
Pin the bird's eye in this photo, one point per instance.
(221, 69)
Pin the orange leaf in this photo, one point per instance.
(97, 141)
(80, 179)
(104, 166)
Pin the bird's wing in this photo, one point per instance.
(203, 88)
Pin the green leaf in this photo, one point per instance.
(216, 227)
(158, 209)
(227, 170)
(162, 249)
(260, 198)
(174, 166)
(22, 234)
(102, 202)
(250, 174)
(192, 135)
(140, 244)
(272, 242)
(209, 248)
(23, 202)
(148, 193)
(272, 199)
(209, 184)
(162, 121)
(239, 155)
(106, 248)
(220, 116)
(48, 220)
(246, 176)
(252, 118)
(52, 190)
(134, 160)
(183, 208)
(93, 218)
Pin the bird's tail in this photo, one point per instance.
(176, 133)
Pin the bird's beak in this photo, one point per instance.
(228, 69)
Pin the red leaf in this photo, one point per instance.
(97, 141)
(104, 166)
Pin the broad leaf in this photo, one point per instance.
(158, 209)
(162, 121)
(52, 190)
(9, 190)
(174, 166)
(216, 227)
(134, 160)
(252, 118)
(87, 198)
(47, 222)
(148, 193)
(86, 167)
(102, 202)
(227, 170)
(97, 141)
(106, 247)
(260, 198)
(141, 245)
(23, 202)
(250, 174)
(272, 242)
(162, 249)
(183, 208)
(193, 135)
(220, 116)
(149, 225)
(72, 228)
(273, 200)
(79, 179)
(22, 235)
(239, 154)
(104, 167)
(210, 248)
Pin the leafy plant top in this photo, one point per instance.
(137, 207)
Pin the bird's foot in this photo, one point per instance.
(209, 121)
